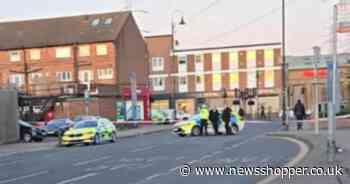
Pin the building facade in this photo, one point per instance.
(302, 80)
(249, 74)
(64, 56)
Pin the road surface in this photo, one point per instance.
(150, 159)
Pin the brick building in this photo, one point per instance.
(301, 80)
(206, 75)
(62, 56)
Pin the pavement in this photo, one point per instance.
(318, 156)
(155, 158)
(51, 142)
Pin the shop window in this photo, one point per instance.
(106, 73)
(101, 49)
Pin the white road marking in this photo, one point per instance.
(119, 167)
(94, 169)
(205, 157)
(142, 149)
(77, 178)
(179, 158)
(8, 164)
(24, 177)
(91, 161)
(153, 176)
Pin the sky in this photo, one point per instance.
(209, 23)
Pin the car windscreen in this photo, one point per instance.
(86, 124)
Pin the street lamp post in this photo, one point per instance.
(284, 77)
(173, 43)
(317, 54)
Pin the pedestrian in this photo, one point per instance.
(262, 112)
(226, 117)
(241, 112)
(204, 116)
(299, 112)
(214, 117)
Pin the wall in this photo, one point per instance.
(8, 116)
(131, 55)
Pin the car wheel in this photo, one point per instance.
(234, 130)
(27, 137)
(196, 131)
(114, 137)
(97, 139)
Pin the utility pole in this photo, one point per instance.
(133, 89)
(331, 102)
(317, 57)
(284, 72)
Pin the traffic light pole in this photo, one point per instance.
(284, 72)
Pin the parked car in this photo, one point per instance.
(55, 126)
(28, 133)
(84, 117)
(94, 131)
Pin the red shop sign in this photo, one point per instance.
(311, 73)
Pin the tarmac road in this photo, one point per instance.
(150, 159)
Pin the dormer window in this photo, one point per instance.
(95, 22)
(108, 21)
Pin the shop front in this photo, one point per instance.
(124, 107)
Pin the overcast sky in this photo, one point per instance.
(226, 22)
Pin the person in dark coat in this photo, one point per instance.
(226, 116)
(262, 112)
(299, 112)
(214, 117)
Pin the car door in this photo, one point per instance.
(103, 129)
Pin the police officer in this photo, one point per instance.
(204, 116)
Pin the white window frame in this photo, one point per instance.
(234, 84)
(64, 76)
(182, 64)
(233, 60)
(63, 52)
(269, 83)
(34, 76)
(35, 54)
(216, 61)
(158, 84)
(199, 63)
(16, 79)
(200, 86)
(217, 86)
(157, 64)
(251, 79)
(89, 74)
(15, 56)
(269, 62)
(251, 59)
(101, 49)
(84, 50)
(183, 84)
(105, 73)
